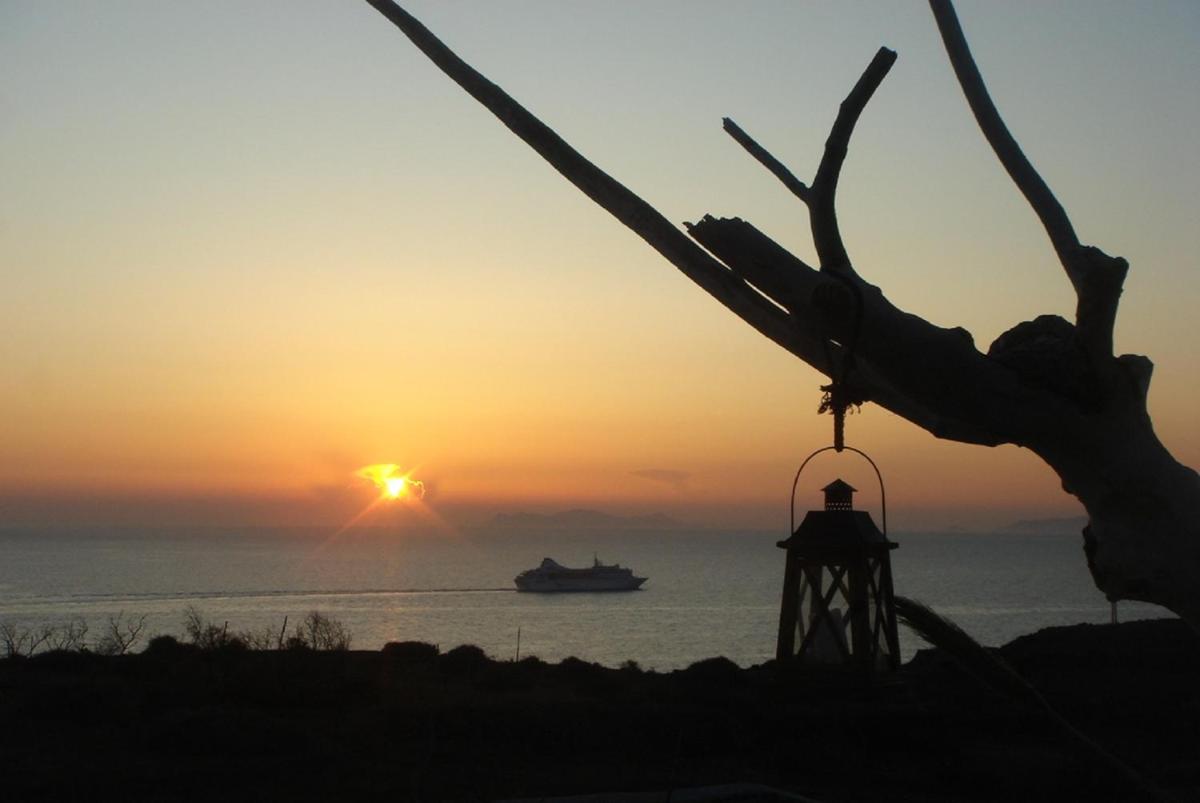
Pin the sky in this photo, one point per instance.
(247, 249)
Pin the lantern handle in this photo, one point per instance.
(865, 456)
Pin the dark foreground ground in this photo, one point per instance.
(175, 723)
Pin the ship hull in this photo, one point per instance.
(551, 586)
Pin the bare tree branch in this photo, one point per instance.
(1096, 277)
(635, 213)
(821, 196)
(827, 238)
(777, 168)
(1022, 172)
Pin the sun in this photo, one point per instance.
(392, 482)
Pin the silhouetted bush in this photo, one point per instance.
(715, 670)
(69, 636)
(590, 678)
(121, 634)
(166, 646)
(506, 676)
(205, 634)
(266, 638)
(66, 660)
(410, 652)
(578, 669)
(21, 642)
(208, 635)
(320, 632)
(532, 662)
(465, 659)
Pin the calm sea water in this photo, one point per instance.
(713, 593)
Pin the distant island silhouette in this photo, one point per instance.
(1064, 524)
(583, 519)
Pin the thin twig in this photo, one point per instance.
(777, 168)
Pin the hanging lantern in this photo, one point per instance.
(838, 608)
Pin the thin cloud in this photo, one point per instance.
(666, 476)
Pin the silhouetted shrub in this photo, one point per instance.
(121, 634)
(531, 662)
(208, 635)
(165, 646)
(17, 641)
(205, 634)
(65, 660)
(320, 632)
(22, 642)
(464, 660)
(576, 668)
(410, 652)
(714, 671)
(69, 636)
(266, 638)
(296, 642)
(506, 676)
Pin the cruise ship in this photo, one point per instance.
(550, 576)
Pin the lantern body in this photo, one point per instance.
(837, 608)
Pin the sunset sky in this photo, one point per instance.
(247, 248)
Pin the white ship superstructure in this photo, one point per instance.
(551, 576)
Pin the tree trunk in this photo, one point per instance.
(1143, 536)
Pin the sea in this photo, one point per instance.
(709, 593)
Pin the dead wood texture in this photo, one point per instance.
(1049, 385)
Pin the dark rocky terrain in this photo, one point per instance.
(176, 723)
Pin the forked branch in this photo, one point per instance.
(821, 196)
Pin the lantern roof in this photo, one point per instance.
(826, 531)
(839, 485)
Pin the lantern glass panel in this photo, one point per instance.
(822, 620)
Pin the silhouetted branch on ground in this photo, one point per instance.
(987, 667)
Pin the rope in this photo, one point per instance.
(840, 395)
